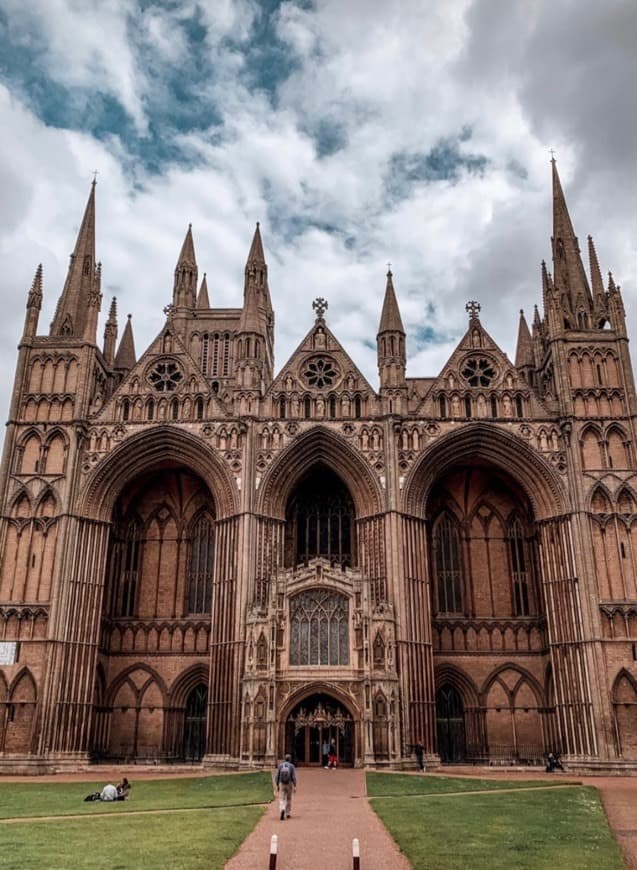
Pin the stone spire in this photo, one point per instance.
(524, 350)
(390, 320)
(34, 305)
(80, 301)
(126, 359)
(110, 334)
(568, 270)
(254, 354)
(185, 286)
(597, 284)
(203, 300)
(256, 271)
(390, 343)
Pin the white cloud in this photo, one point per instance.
(395, 81)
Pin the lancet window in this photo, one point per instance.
(319, 628)
(519, 569)
(200, 565)
(125, 565)
(320, 521)
(447, 566)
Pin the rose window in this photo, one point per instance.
(479, 372)
(165, 376)
(320, 372)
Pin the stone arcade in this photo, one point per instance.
(203, 559)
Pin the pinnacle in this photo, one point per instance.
(596, 274)
(202, 299)
(187, 254)
(125, 357)
(524, 351)
(390, 319)
(256, 254)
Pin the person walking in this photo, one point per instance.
(286, 785)
(325, 751)
(332, 756)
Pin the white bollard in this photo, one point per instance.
(274, 848)
(356, 854)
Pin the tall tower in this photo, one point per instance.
(254, 340)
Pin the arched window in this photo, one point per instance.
(199, 408)
(319, 628)
(519, 408)
(282, 408)
(443, 406)
(125, 409)
(447, 566)
(332, 407)
(320, 518)
(200, 565)
(174, 409)
(357, 407)
(124, 567)
(494, 406)
(150, 409)
(307, 408)
(519, 569)
(467, 407)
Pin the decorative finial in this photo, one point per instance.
(552, 153)
(320, 306)
(389, 268)
(168, 309)
(473, 308)
(95, 174)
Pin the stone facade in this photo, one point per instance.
(206, 560)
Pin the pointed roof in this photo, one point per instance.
(187, 253)
(112, 313)
(256, 255)
(250, 320)
(202, 299)
(34, 299)
(524, 350)
(125, 358)
(71, 312)
(597, 283)
(390, 320)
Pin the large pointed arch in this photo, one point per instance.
(161, 447)
(481, 443)
(319, 446)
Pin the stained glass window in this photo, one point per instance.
(519, 569)
(319, 628)
(320, 521)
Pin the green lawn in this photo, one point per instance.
(214, 816)
(549, 828)
(67, 798)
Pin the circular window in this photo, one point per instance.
(165, 376)
(320, 372)
(479, 372)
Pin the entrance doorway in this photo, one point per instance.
(450, 725)
(195, 724)
(311, 727)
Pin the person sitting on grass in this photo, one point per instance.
(123, 789)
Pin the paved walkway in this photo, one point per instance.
(329, 809)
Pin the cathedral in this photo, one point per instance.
(207, 560)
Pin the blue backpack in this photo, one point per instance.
(285, 774)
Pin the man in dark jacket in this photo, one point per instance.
(286, 785)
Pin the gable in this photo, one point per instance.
(164, 373)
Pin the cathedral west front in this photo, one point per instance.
(204, 559)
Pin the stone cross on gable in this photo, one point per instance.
(320, 306)
(473, 308)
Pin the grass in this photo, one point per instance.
(546, 828)
(212, 817)
(67, 798)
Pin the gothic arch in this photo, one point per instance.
(600, 498)
(149, 450)
(624, 700)
(481, 442)
(524, 677)
(461, 681)
(186, 682)
(319, 445)
(122, 678)
(319, 688)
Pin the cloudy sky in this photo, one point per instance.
(357, 131)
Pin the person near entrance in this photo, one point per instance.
(325, 751)
(332, 756)
(419, 749)
(286, 784)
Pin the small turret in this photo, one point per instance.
(110, 334)
(524, 361)
(203, 302)
(255, 335)
(185, 284)
(34, 305)
(390, 343)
